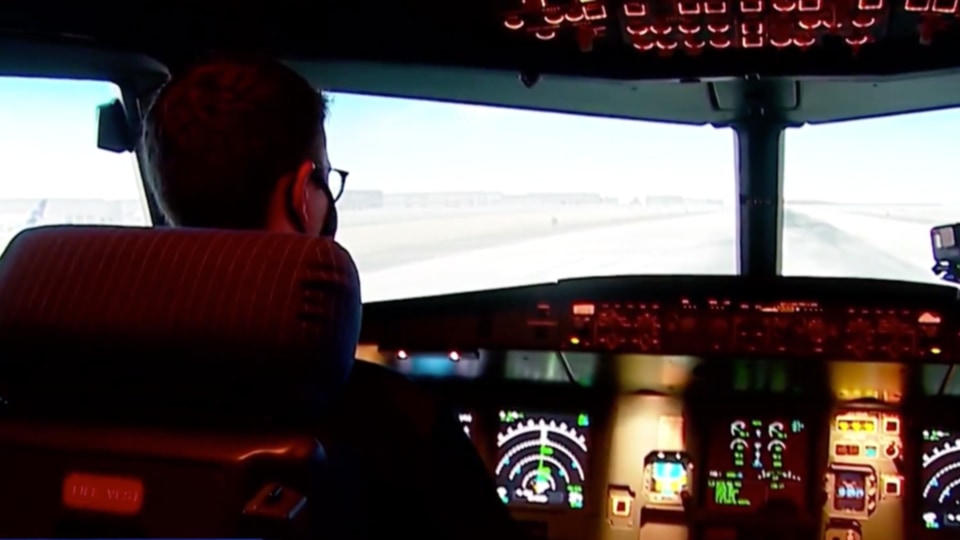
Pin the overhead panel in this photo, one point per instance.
(669, 27)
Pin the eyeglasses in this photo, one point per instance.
(336, 180)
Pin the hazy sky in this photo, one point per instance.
(48, 149)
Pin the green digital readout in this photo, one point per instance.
(754, 459)
(726, 492)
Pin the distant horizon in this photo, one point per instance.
(603, 199)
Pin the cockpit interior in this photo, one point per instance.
(680, 269)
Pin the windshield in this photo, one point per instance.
(862, 196)
(52, 170)
(447, 198)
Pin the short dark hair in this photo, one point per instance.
(219, 136)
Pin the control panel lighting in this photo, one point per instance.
(692, 26)
(452, 355)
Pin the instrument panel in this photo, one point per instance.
(725, 326)
(547, 470)
(656, 466)
(668, 27)
(830, 318)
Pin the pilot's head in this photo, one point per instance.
(238, 143)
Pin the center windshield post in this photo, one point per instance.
(759, 154)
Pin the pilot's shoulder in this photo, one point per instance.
(394, 393)
(369, 373)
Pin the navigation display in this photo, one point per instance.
(940, 478)
(542, 458)
(752, 460)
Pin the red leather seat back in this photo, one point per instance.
(169, 382)
(107, 318)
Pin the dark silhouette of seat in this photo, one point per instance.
(173, 383)
(422, 477)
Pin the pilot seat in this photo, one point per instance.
(172, 383)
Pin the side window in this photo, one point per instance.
(51, 171)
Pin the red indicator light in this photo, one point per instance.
(546, 20)
(584, 309)
(688, 26)
(98, 493)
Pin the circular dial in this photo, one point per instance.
(940, 476)
(541, 459)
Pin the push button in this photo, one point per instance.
(620, 506)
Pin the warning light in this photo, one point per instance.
(455, 356)
(402, 355)
(621, 506)
(584, 309)
(574, 340)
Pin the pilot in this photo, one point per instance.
(239, 143)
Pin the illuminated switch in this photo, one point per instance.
(892, 450)
(891, 425)
(620, 506)
(892, 486)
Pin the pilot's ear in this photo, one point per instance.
(299, 196)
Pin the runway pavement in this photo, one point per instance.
(816, 243)
(384, 238)
(928, 214)
(409, 253)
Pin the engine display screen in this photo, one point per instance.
(752, 460)
(542, 458)
(940, 478)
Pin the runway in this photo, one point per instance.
(411, 252)
(816, 243)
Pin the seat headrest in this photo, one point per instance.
(128, 313)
